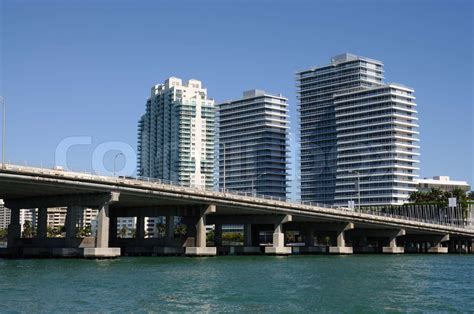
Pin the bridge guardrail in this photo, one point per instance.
(453, 217)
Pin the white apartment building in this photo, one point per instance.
(444, 183)
(176, 134)
(4, 216)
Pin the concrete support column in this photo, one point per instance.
(14, 228)
(392, 247)
(113, 230)
(217, 235)
(340, 247)
(171, 247)
(42, 228)
(309, 236)
(248, 235)
(438, 247)
(140, 228)
(71, 222)
(278, 247)
(102, 248)
(170, 227)
(249, 247)
(310, 244)
(201, 232)
(340, 240)
(278, 236)
(200, 248)
(103, 223)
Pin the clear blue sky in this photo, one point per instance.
(85, 68)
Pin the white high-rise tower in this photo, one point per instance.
(176, 134)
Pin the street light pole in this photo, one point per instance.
(254, 191)
(223, 176)
(115, 161)
(3, 132)
(358, 187)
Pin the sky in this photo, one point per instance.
(79, 72)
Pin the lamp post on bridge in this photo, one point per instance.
(4, 128)
(115, 161)
(358, 187)
(223, 176)
(254, 190)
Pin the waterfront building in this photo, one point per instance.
(27, 215)
(253, 144)
(442, 183)
(126, 226)
(4, 216)
(176, 134)
(358, 135)
(57, 217)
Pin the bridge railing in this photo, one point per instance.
(455, 217)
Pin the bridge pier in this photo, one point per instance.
(248, 247)
(392, 247)
(310, 244)
(14, 230)
(438, 247)
(71, 223)
(140, 230)
(341, 247)
(200, 248)
(42, 223)
(218, 235)
(102, 248)
(169, 227)
(278, 247)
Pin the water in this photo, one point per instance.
(359, 283)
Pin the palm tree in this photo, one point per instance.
(28, 230)
(123, 232)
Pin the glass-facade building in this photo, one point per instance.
(358, 135)
(253, 144)
(176, 134)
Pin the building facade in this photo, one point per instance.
(358, 135)
(442, 183)
(4, 216)
(176, 134)
(253, 144)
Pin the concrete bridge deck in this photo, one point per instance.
(28, 187)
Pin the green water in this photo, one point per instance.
(360, 283)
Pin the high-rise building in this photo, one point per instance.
(4, 216)
(358, 135)
(27, 215)
(253, 144)
(176, 134)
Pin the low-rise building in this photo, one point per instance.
(443, 183)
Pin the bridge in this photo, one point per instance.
(320, 228)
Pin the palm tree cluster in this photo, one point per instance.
(437, 196)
